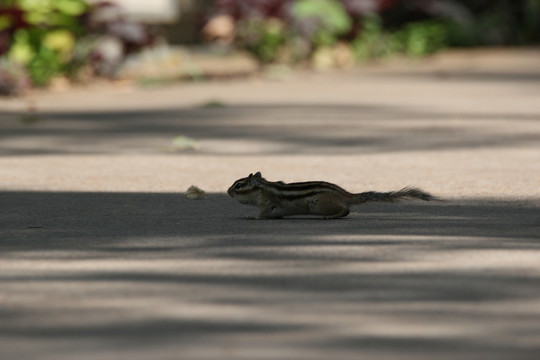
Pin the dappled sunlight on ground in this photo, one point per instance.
(102, 256)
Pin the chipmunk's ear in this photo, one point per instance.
(255, 180)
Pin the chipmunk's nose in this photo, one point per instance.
(230, 191)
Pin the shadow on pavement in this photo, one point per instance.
(37, 220)
(299, 129)
(125, 273)
(474, 75)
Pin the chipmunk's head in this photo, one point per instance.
(245, 190)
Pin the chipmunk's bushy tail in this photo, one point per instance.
(407, 193)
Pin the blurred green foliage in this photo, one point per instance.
(415, 39)
(263, 37)
(43, 35)
(330, 16)
(423, 37)
(48, 38)
(373, 42)
(300, 30)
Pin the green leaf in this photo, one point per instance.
(5, 22)
(36, 17)
(44, 66)
(181, 142)
(43, 6)
(330, 12)
(21, 53)
(70, 7)
(21, 50)
(62, 42)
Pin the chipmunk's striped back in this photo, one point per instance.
(301, 189)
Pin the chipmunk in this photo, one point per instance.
(278, 199)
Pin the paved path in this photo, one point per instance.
(102, 257)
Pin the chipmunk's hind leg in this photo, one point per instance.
(338, 215)
(329, 207)
(271, 212)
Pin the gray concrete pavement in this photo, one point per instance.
(102, 257)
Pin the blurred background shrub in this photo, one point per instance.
(303, 30)
(41, 39)
(44, 39)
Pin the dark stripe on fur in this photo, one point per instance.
(301, 195)
(305, 186)
(243, 191)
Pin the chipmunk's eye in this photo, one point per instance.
(238, 185)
